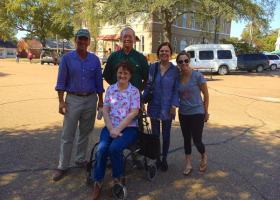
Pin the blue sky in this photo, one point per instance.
(237, 28)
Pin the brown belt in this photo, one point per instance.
(81, 94)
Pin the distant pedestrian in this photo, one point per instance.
(80, 76)
(193, 110)
(30, 56)
(17, 57)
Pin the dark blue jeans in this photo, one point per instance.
(114, 149)
(166, 128)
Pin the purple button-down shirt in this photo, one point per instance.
(78, 75)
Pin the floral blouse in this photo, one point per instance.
(121, 102)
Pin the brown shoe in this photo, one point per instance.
(59, 174)
(96, 191)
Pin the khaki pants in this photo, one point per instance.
(81, 111)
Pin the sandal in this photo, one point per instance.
(203, 164)
(187, 171)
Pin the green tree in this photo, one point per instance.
(83, 13)
(268, 41)
(167, 11)
(260, 40)
(36, 17)
(239, 45)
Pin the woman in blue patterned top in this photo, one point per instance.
(162, 107)
(193, 110)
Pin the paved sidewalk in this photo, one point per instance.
(242, 139)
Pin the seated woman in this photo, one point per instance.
(121, 107)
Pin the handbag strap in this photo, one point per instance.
(155, 73)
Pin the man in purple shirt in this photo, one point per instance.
(80, 77)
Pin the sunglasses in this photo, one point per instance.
(183, 61)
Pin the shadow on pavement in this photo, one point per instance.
(4, 74)
(242, 165)
(267, 73)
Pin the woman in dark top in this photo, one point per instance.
(193, 110)
(162, 107)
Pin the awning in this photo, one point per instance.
(114, 37)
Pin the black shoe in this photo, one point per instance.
(164, 166)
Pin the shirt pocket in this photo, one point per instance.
(90, 71)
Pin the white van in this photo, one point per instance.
(218, 58)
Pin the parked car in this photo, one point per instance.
(274, 61)
(254, 61)
(50, 56)
(218, 58)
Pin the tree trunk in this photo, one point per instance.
(167, 32)
(216, 29)
(43, 41)
(167, 26)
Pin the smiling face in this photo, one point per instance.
(128, 39)
(183, 62)
(164, 54)
(123, 75)
(82, 43)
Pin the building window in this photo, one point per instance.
(226, 27)
(142, 43)
(222, 29)
(193, 21)
(160, 38)
(183, 45)
(175, 45)
(184, 20)
(208, 26)
(212, 25)
(176, 21)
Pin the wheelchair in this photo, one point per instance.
(147, 146)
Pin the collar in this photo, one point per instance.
(79, 58)
(131, 52)
(116, 87)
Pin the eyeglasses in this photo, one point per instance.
(183, 61)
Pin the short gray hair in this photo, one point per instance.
(127, 29)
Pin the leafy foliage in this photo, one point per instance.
(36, 17)
(263, 42)
(166, 11)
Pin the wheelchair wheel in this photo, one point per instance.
(119, 192)
(151, 172)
